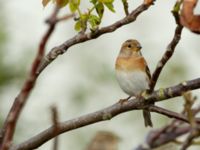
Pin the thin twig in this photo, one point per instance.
(8, 129)
(169, 50)
(170, 132)
(125, 4)
(167, 55)
(65, 17)
(189, 101)
(79, 38)
(110, 112)
(168, 113)
(195, 131)
(55, 120)
(164, 138)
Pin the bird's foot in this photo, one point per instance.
(121, 101)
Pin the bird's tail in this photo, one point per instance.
(147, 118)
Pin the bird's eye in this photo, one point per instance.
(129, 46)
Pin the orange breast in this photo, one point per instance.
(130, 63)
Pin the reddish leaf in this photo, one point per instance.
(188, 18)
(62, 3)
(45, 2)
(148, 2)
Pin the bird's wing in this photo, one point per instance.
(148, 72)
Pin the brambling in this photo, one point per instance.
(132, 73)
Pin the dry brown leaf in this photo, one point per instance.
(188, 18)
(148, 2)
(45, 2)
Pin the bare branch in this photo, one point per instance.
(110, 112)
(169, 51)
(167, 55)
(194, 133)
(125, 4)
(79, 38)
(163, 138)
(195, 130)
(8, 129)
(168, 113)
(170, 132)
(55, 120)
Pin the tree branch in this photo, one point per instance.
(194, 133)
(125, 4)
(163, 138)
(8, 129)
(195, 130)
(112, 111)
(82, 37)
(170, 132)
(55, 120)
(167, 55)
(169, 51)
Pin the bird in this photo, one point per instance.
(133, 74)
(104, 140)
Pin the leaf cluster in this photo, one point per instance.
(91, 18)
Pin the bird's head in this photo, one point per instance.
(130, 47)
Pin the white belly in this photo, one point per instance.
(132, 83)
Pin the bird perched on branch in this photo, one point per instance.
(133, 73)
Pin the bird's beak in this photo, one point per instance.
(139, 47)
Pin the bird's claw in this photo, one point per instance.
(121, 101)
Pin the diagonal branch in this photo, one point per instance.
(169, 51)
(195, 130)
(194, 133)
(112, 111)
(167, 55)
(7, 132)
(82, 37)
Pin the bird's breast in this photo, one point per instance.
(132, 82)
(130, 64)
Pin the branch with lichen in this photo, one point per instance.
(114, 110)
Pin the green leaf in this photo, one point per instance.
(73, 5)
(62, 3)
(77, 26)
(110, 6)
(106, 1)
(45, 2)
(93, 1)
(81, 24)
(100, 9)
(84, 17)
(177, 7)
(94, 21)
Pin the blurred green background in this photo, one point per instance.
(83, 79)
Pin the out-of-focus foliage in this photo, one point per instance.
(7, 71)
(100, 77)
(91, 17)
